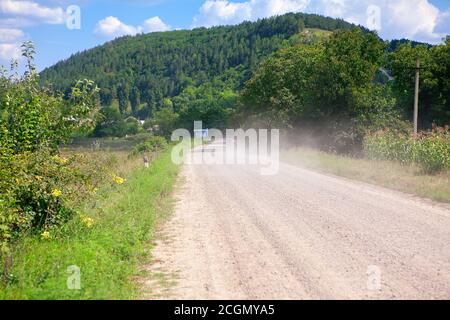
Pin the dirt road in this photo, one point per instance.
(236, 234)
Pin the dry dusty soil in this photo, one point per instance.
(236, 234)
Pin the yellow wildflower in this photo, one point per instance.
(118, 179)
(45, 235)
(56, 193)
(59, 159)
(88, 222)
(92, 189)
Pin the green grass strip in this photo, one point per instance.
(107, 254)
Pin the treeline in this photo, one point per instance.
(136, 74)
(336, 92)
(332, 90)
(309, 74)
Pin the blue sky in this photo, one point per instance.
(45, 21)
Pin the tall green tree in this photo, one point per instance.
(135, 100)
(34, 117)
(327, 88)
(434, 84)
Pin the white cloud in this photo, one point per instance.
(154, 24)
(10, 35)
(222, 12)
(398, 18)
(18, 14)
(443, 23)
(112, 27)
(16, 22)
(32, 10)
(277, 7)
(219, 12)
(414, 19)
(9, 51)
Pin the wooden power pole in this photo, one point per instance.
(416, 98)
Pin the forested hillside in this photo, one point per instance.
(325, 76)
(137, 73)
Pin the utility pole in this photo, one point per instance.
(416, 98)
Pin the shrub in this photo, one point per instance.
(152, 145)
(429, 150)
(38, 186)
(42, 189)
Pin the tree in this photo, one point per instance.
(166, 120)
(326, 89)
(351, 60)
(106, 97)
(439, 112)
(112, 124)
(32, 117)
(149, 68)
(123, 97)
(280, 90)
(434, 84)
(135, 100)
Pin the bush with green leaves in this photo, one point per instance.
(429, 150)
(152, 145)
(112, 124)
(43, 189)
(37, 185)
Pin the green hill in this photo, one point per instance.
(137, 74)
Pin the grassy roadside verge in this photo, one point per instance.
(108, 253)
(388, 174)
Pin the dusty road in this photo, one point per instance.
(301, 235)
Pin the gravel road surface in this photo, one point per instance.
(236, 234)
